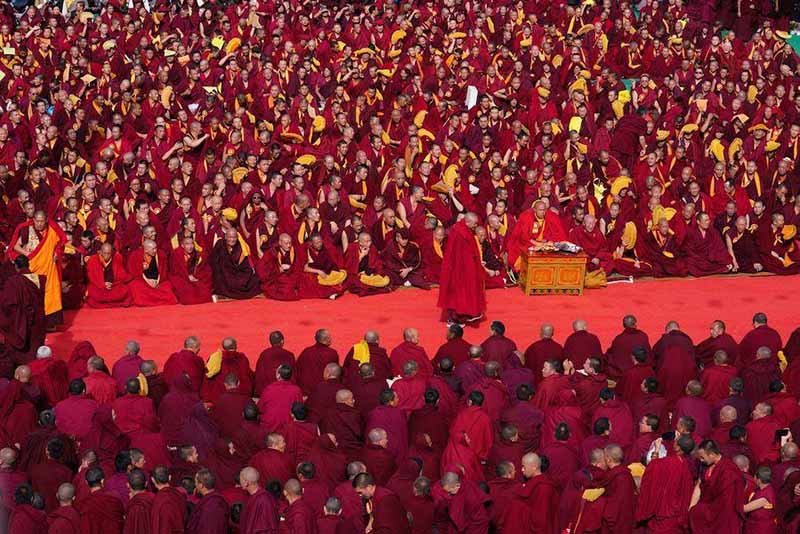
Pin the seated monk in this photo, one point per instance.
(364, 267)
(599, 258)
(779, 253)
(280, 269)
(322, 277)
(403, 261)
(742, 248)
(108, 280)
(432, 249)
(705, 252)
(232, 273)
(492, 265)
(148, 267)
(661, 251)
(535, 226)
(382, 231)
(189, 273)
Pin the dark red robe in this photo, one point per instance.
(461, 283)
(721, 499)
(310, 365)
(138, 516)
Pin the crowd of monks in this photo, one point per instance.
(644, 435)
(154, 153)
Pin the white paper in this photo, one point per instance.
(472, 97)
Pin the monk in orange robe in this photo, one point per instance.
(108, 280)
(189, 273)
(536, 225)
(149, 269)
(42, 242)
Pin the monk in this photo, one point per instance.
(470, 439)
(149, 270)
(189, 273)
(462, 296)
(717, 340)
(260, 512)
(385, 511)
(276, 400)
(403, 261)
(542, 350)
(138, 515)
(322, 275)
(661, 250)
(674, 361)
(210, 514)
(280, 270)
(695, 406)
(582, 344)
(666, 490)
(465, 503)
(186, 362)
(344, 421)
(365, 270)
(761, 516)
(22, 321)
(134, 412)
(299, 517)
(553, 381)
(619, 415)
(49, 375)
(108, 280)
(225, 362)
(535, 226)
(169, 505)
(777, 247)
(410, 349)
(390, 417)
(74, 414)
(715, 379)
(233, 274)
(270, 359)
(369, 351)
(716, 504)
(629, 385)
(742, 248)
(65, 519)
(101, 512)
(706, 253)
(312, 361)
(456, 348)
(762, 335)
(42, 242)
(535, 504)
(618, 354)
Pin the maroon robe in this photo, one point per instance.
(299, 518)
(674, 363)
(721, 498)
(716, 381)
(272, 464)
(64, 520)
(259, 515)
(209, 515)
(168, 514)
(664, 494)
(181, 267)
(310, 365)
(619, 355)
(50, 375)
(706, 253)
(538, 353)
(762, 336)
(581, 345)
(461, 289)
(275, 404)
(101, 513)
(706, 349)
(406, 351)
(267, 365)
(138, 516)
(185, 361)
(135, 413)
(534, 508)
(22, 321)
(233, 362)
(25, 519)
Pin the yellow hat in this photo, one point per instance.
(86, 17)
(629, 235)
(543, 92)
(582, 148)
(702, 104)
(662, 135)
(87, 78)
(233, 45)
(575, 124)
(394, 53)
(636, 469)
(717, 150)
(759, 127)
(385, 72)
(620, 183)
(752, 93)
(660, 212)
(579, 85)
(782, 34)
(170, 52)
(675, 41)
(230, 214)
(398, 35)
(525, 43)
(306, 160)
(586, 75)
(166, 93)
(210, 89)
(586, 28)
(688, 129)
(362, 51)
(772, 146)
(291, 136)
(238, 174)
(788, 232)
(741, 118)
(592, 494)
(108, 45)
(624, 96)
(734, 147)
(457, 35)
(318, 124)
(334, 278)
(218, 42)
(419, 118)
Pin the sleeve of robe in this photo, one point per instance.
(390, 516)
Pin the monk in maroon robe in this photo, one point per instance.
(456, 348)
(280, 270)
(299, 517)
(762, 335)
(273, 463)
(50, 375)
(138, 515)
(22, 321)
(392, 419)
(101, 512)
(385, 511)
(210, 514)
(462, 296)
(65, 519)
(322, 276)
(660, 249)
(74, 414)
(133, 412)
(582, 344)
(629, 384)
(465, 503)
(705, 251)
(46, 477)
(232, 272)
(553, 382)
(719, 508)
(277, 399)
(403, 261)
(535, 505)
(190, 273)
(410, 349)
(471, 438)
(618, 354)
(535, 225)
(260, 512)
(376, 356)
(541, 351)
(269, 360)
(666, 490)
(108, 280)
(718, 339)
(716, 378)
(345, 422)
(169, 505)
(232, 362)
(365, 270)
(312, 361)
(149, 270)
(186, 363)
(17, 413)
(619, 415)
(674, 362)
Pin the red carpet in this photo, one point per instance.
(693, 302)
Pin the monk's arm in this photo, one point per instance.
(19, 249)
(695, 496)
(757, 504)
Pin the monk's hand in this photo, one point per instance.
(405, 272)
(758, 267)
(108, 285)
(193, 278)
(735, 267)
(596, 261)
(285, 267)
(797, 490)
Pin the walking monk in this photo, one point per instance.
(42, 242)
(462, 296)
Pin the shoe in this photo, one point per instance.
(406, 284)
(214, 299)
(334, 296)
